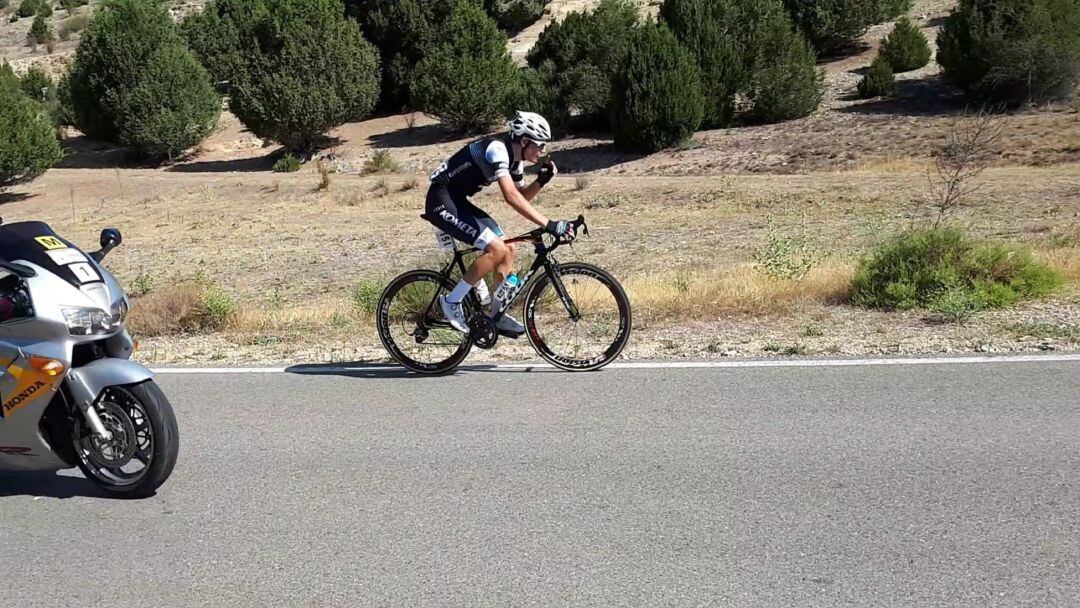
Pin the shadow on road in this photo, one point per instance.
(49, 485)
(392, 371)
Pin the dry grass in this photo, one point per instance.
(744, 289)
(324, 176)
(382, 162)
(187, 307)
(171, 310)
(1065, 260)
(892, 164)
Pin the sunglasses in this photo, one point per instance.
(539, 146)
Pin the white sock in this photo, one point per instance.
(482, 292)
(459, 292)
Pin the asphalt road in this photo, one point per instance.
(946, 485)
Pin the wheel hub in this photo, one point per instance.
(118, 450)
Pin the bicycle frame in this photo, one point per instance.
(543, 260)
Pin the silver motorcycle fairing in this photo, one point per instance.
(87, 382)
(22, 446)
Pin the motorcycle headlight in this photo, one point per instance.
(87, 321)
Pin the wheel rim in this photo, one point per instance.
(415, 338)
(594, 338)
(125, 458)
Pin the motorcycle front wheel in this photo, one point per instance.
(142, 451)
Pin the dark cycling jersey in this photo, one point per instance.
(467, 172)
(478, 165)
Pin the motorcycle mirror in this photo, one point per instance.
(110, 237)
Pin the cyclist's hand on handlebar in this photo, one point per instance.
(547, 172)
(562, 229)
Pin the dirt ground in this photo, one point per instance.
(291, 254)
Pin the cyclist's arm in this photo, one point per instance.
(530, 191)
(520, 201)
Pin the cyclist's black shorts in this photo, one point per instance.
(460, 218)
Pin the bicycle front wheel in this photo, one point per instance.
(579, 319)
(412, 327)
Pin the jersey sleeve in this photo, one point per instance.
(517, 173)
(499, 158)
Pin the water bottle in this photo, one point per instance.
(507, 289)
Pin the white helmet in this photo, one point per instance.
(531, 125)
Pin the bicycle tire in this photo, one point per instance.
(542, 346)
(386, 324)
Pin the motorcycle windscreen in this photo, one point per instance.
(37, 243)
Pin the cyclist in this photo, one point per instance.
(449, 207)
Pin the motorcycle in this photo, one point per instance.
(69, 393)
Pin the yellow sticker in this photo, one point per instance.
(32, 384)
(50, 242)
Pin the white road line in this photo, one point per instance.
(330, 369)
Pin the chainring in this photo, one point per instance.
(483, 332)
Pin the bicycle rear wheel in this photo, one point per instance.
(412, 327)
(586, 330)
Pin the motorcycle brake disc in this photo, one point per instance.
(117, 451)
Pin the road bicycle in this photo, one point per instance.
(576, 315)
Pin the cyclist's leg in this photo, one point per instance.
(506, 251)
(462, 220)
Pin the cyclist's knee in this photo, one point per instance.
(498, 249)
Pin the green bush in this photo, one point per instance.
(891, 9)
(303, 68)
(786, 82)
(1012, 51)
(28, 143)
(37, 86)
(40, 32)
(403, 31)
(748, 48)
(906, 48)
(77, 23)
(214, 35)
(834, 24)
(574, 60)
(538, 92)
(287, 164)
(515, 15)
(468, 80)
(365, 296)
(8, 79)
(382, 162)
(30, 8)
(133, 82)
(718, 33)
(657, 99)
(787, 257)
(957, 304)
(217, 307)
(71, 5)
(878, 81)
(920, 268)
